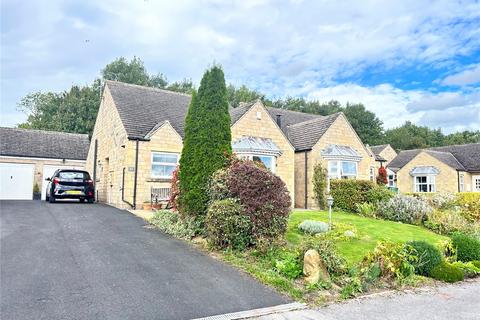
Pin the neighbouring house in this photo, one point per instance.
(444, 169)
(138, 134)
(28, 157)
(384, 154)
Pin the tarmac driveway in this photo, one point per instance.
(92, 261)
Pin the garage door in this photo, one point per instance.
(16, 181)
(48, 172)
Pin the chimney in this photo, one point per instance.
(279, 120)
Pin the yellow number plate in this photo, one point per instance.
(74, 192)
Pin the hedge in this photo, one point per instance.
(348, 193)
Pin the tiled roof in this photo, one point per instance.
(461, 157)
(305, 134)
(142, 109)
(377, 149)
(43, 144)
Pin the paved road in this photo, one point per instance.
(89, 261)
(459, 301)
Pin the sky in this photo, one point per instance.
(404, 60)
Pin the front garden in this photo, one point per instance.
(239, 211)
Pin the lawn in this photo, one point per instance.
(369, 231)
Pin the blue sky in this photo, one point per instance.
(405, 60)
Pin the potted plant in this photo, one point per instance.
(147, 205)
(37, 194)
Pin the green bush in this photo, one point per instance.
(395, 259)
(469, 203)
(448, 221)
(447, 272)
(320, 184)
(207, 142)
(468, 247)
(469, 269)
(476, 263)
(379, 193)
(226, 226)
(313, 227)
(404, 208)
(348, 193)
(173, 223)
(366, 209)
(288, 264)
(335, 264)
(428, 257)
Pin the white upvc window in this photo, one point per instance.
(461, 182)
(163, 164)
(342, 169)
(268, 161)
(372, 173)
(391, 180)
(424, 183)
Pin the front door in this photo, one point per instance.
(476, 183)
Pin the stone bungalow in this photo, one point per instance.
(443, 169)
(137, 141)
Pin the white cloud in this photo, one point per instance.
(441, 101)
(465, 77)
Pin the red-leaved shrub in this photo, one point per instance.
(263, 196)
(382, 176)
(174, 190)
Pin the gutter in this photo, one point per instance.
(123, 188)
(135, 179)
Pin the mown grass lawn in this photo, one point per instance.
(369, 231)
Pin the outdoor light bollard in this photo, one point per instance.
(330, 204)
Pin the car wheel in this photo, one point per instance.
(47, 198)
(90, 200)
(82, 200)
(51, 199)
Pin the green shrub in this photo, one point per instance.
(335, 264)
(395, 259)
(366, 209)
(348, 193)
(173, 223)
(448, 221)
(469, 203)
(447, 272)
(36, 188)
(379, 193)
(206, 144)
(428, 257)
(476, 263)
(469, 269)
(226, 226)
(313, 227)
(319, 181)
(468, 247)
(403, 208)
(289, 264)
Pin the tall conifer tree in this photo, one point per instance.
(207, 141)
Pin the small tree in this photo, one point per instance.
(319, 184)
(207, 142)
(382, 176)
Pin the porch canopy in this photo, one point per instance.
(256, 145)
(337, 152)
(424, 171)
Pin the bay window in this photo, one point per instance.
(163, 164)
(267, 160)
(342, 169)
(424, 183)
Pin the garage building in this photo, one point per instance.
(28, 157)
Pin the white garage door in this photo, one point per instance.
(48, 172)
(16, 181)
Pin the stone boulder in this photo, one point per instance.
(313, 267)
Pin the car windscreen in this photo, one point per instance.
(77, 175)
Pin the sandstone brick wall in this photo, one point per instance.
(112, 148)
(340, 133)
(389, 154)
(266, 127)
(445, 181)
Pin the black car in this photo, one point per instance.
(70, 184)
